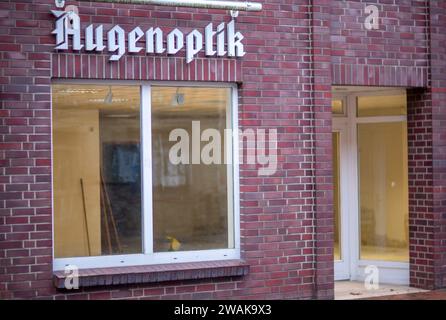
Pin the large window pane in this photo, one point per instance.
(383, 190)
(192, 207)
(97, 180)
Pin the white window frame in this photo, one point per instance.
(148, 257)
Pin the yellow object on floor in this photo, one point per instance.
(175, 245)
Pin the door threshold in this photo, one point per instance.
(353, 290)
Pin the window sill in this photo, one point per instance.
(155, 273)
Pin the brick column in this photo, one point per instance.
(438, 92)
(419, 123)
(25, 152)
(427, 163)
(324, 223)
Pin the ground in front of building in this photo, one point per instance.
(352, 290)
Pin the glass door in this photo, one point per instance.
(379, 123)
(340, 191)
(370, 178)
(383, 191)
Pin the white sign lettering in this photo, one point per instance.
(228, 41)
(372, 20)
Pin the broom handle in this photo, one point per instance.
(107, 228)
(112, 219)
(85, 217)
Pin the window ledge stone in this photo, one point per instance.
(155, 273)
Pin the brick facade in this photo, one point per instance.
(426, 122)
(438, 90)
(395, 55)
(295, 51)
(321, 52)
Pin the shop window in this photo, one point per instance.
(118, 197)
(190, 201)
(97, 180)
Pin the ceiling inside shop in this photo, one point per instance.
(166, 101)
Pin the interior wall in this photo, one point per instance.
(383, 183)
(76, 157)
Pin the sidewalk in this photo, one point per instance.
(429, 295)
(352, 290)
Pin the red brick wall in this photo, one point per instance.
(427, 163)
(285, 78)
(421, 221)
(138, 67)
(407, 51)
(394, 55)
(277, 213)
(438, 92)
(322, 145)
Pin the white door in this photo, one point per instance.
(371, 186)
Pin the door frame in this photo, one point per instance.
(351, 267)
(343, 267)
